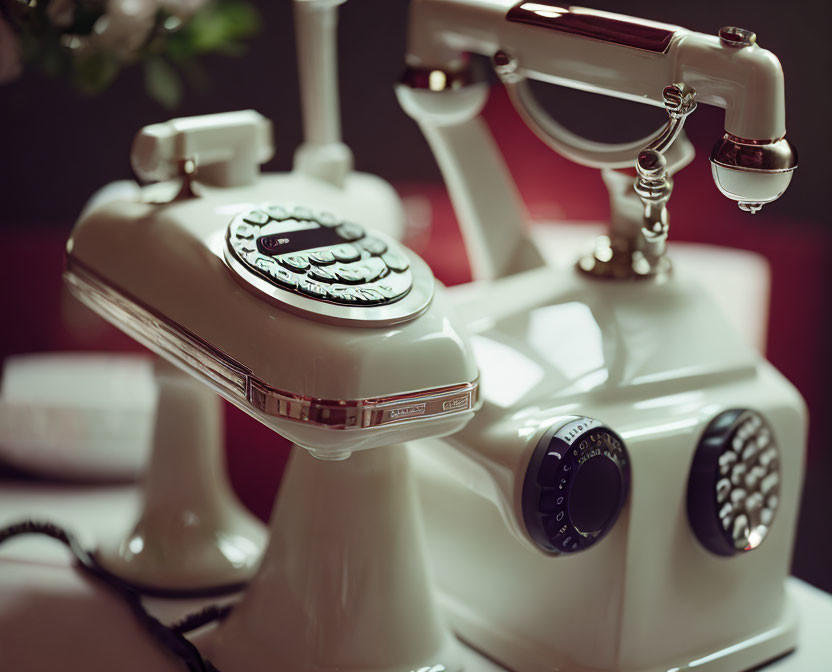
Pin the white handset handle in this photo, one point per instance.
(315, 27)
(606, 53)
(322, 155)
(226, 149)
(489, 209)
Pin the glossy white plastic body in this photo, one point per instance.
(656, 362)
(158, 271)
(167, 259)
(192, 534)
(747, 82)
(343, 584)
(357, 189)
(488, 206)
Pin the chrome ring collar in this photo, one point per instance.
(765, 156)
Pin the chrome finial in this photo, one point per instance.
(731, 36)
(752, 208)
(637, 249)
(653, 184)
(506, 66)
(654, 188)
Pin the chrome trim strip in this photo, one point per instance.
(626, 31)
(239, 385)
(365, 413)
(154, 330)
(755, 156)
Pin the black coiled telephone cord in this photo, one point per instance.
(171, 637)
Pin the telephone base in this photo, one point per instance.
(342, 584)
(737, 281)
(512, 650)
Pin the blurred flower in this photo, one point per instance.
(61, 12)
(10, 56)
(89, 42)
(125, 26)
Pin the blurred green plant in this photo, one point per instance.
(88, 42)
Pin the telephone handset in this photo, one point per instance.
(605, 53)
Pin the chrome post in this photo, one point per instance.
(632, 252)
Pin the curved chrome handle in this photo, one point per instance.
(678, 101)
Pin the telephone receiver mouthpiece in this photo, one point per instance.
(752, 172)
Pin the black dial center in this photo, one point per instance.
(577, 483)
(595, 495)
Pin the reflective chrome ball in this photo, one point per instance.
(752, 172)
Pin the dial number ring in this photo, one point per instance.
(734, 484)
(576, 485)
(316, 262)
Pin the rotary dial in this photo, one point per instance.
(734, 486)
(576, 485)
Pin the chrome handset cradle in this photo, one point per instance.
(653, 184)
(639, 252)
(604, 53)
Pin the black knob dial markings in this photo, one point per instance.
(576, 485)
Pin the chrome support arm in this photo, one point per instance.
(653, 187)
(653, 184)
(637, 243)
(678, 101)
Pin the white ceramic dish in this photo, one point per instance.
(77, 415)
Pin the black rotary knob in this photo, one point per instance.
(734, 484)
(576, 484)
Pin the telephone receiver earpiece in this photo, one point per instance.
(752, 172)
(604, 53)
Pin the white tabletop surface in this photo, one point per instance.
(33, 571)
